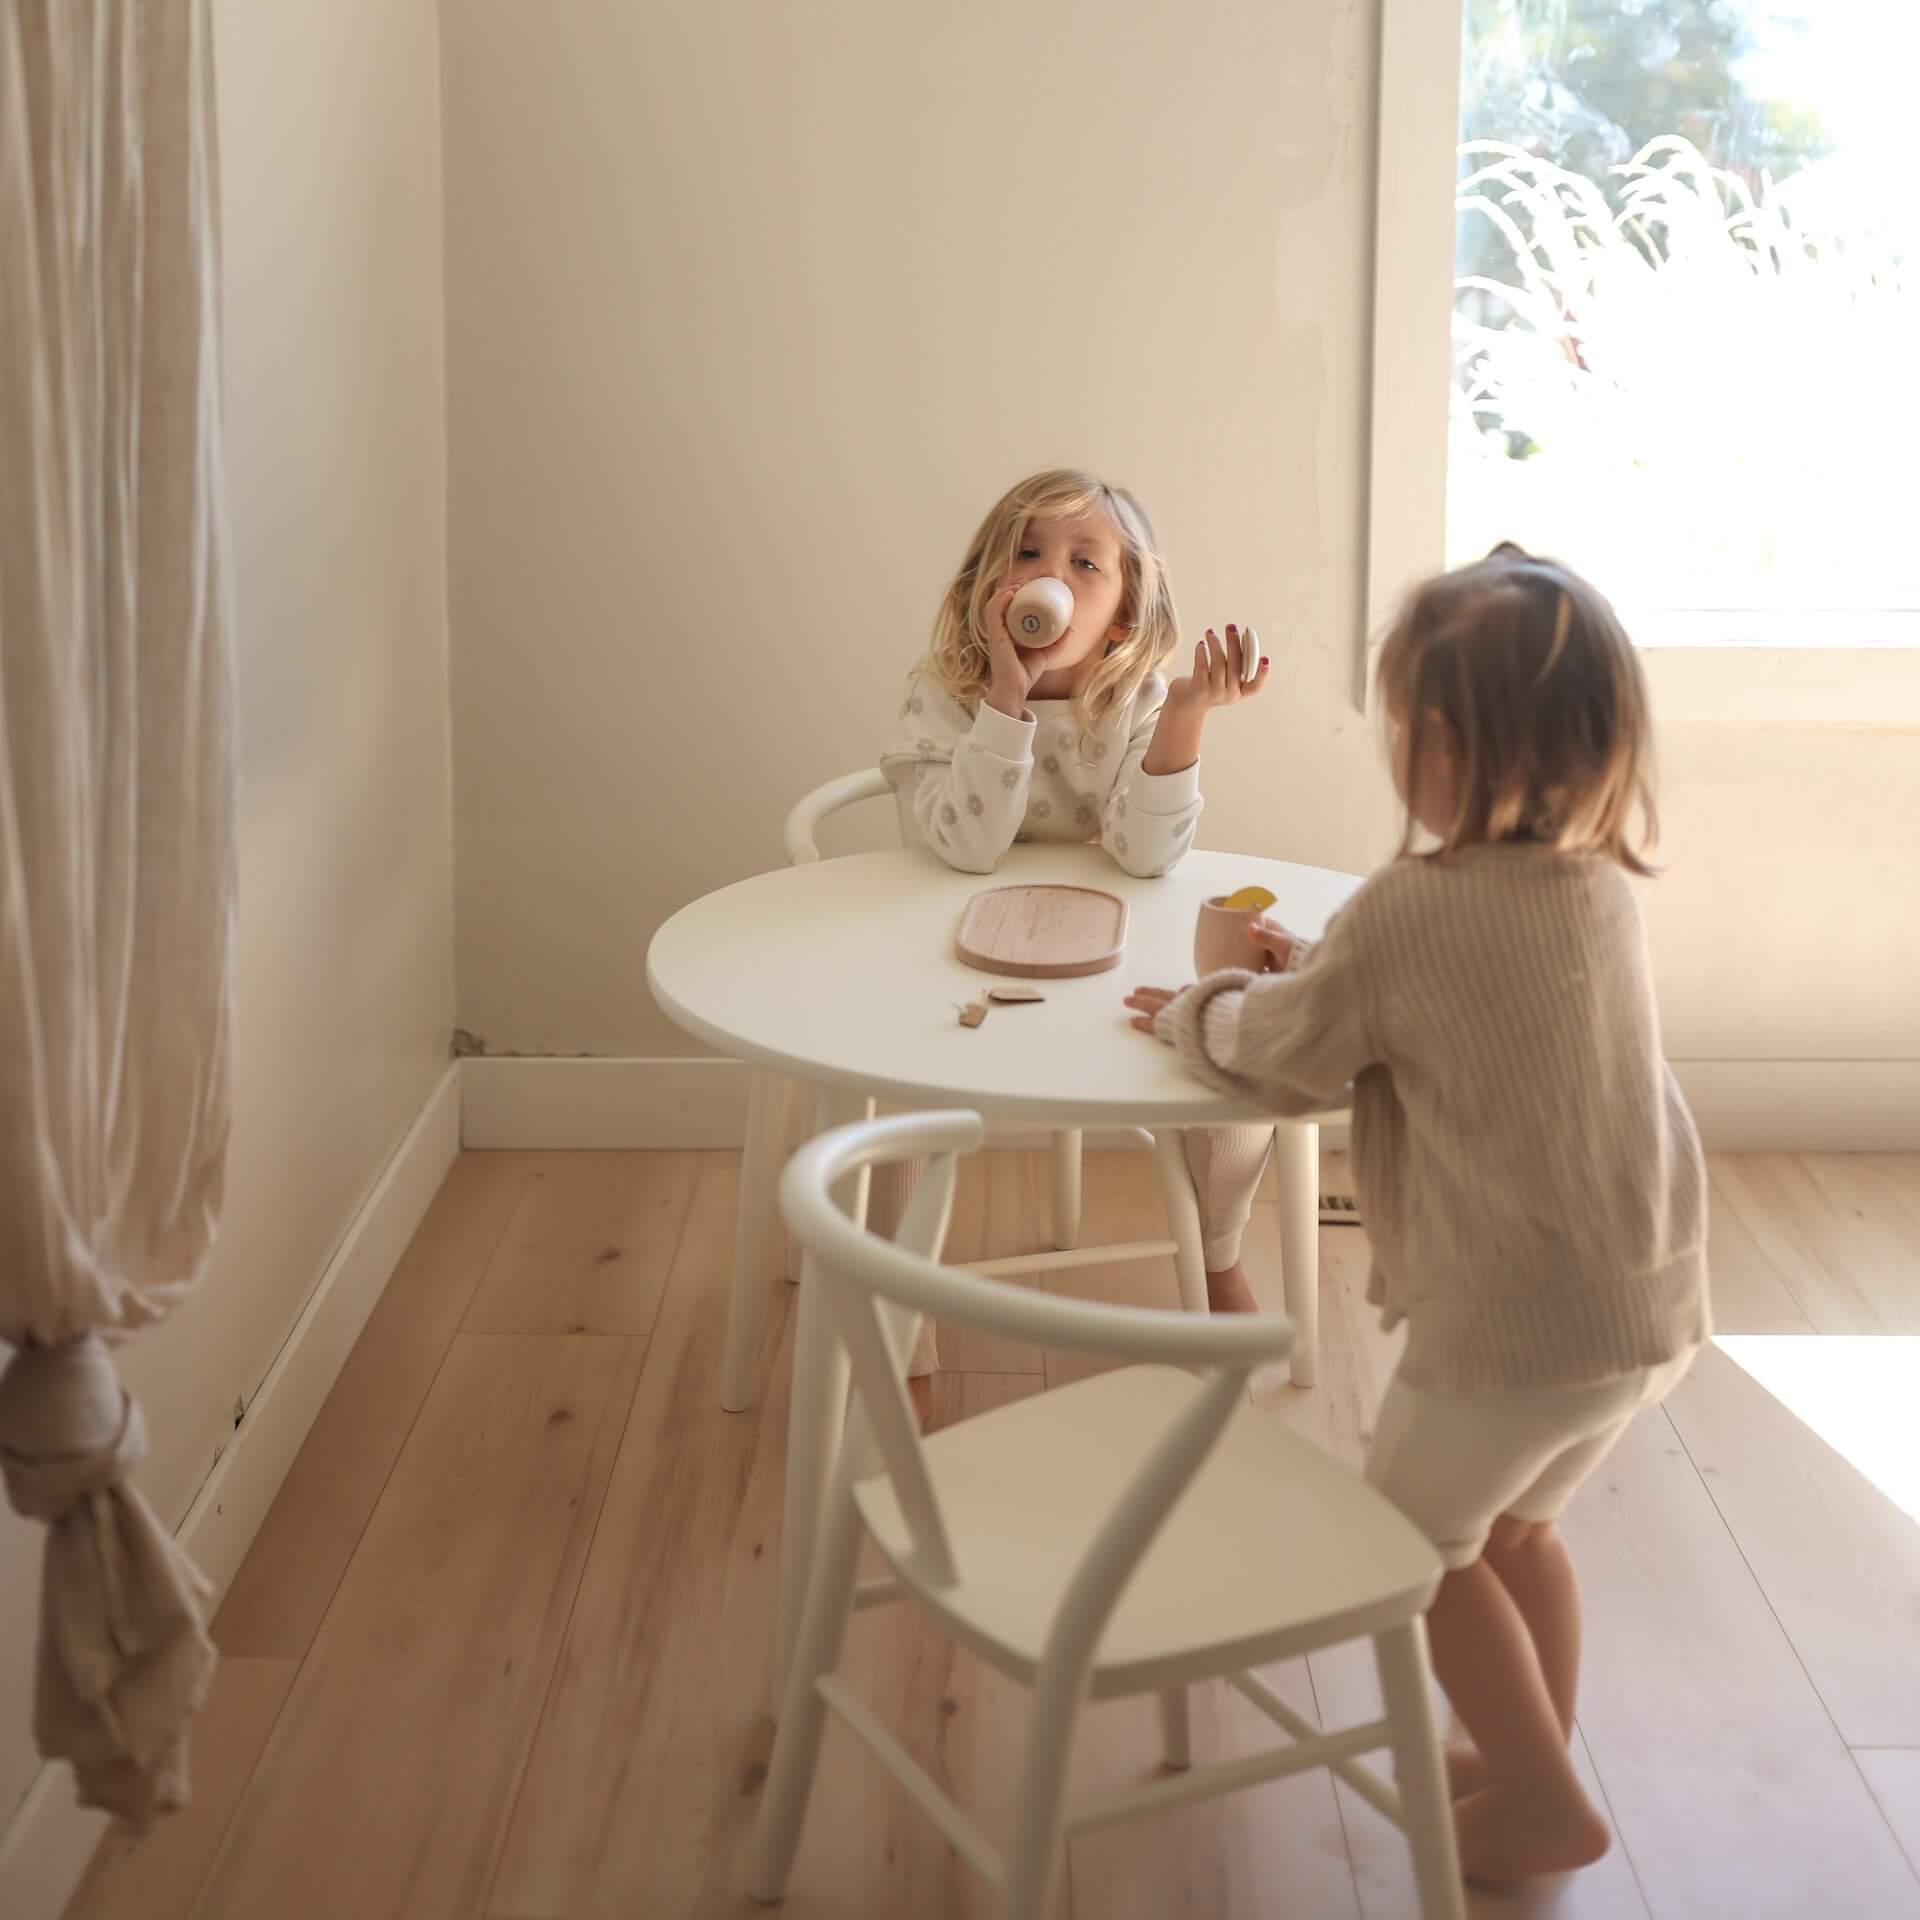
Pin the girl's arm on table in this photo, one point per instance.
(1292, 1041)
(962, 778)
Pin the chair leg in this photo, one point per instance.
(1183, 1219)
(1176, 1729)
(1039, 1829)
(756, 1219)
(817, 1414)
(796, 1751)
(1406, 1687)
(1066, 1188)
(1296, 1164)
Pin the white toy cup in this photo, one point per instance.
(1040, 612)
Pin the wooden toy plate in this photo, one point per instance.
(1043, 933)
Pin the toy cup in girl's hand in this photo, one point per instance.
(1040, 612)
(1223, 934)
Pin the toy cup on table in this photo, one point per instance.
(1223, 934)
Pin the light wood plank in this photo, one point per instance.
(646, 1766)
(156, 1878)
(277, 1598)
(1838, 1561)
(1850, 1261)
(1346, 1688)
(1899, 1174)
(1725, 1775)
(391, 1771)
(1894, 1775)
(589, 1246)
(1279, 1848)
(1887, 1236)
(1748, 1295)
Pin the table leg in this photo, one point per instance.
(1065, 1156)
(1296, 1164)
(1183, 1219)
(756, 1222)
(818, 1413)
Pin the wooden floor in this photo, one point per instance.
(500, 1651)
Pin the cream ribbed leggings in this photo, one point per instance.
(1226, 1163)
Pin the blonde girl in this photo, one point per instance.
(1084, 740)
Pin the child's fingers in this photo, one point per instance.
(1141, 1025)
(1274, 941)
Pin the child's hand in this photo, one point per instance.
(1214, 682)
(1147, 1003)
(1012, 669)
(1275, 942)
(1218, 678)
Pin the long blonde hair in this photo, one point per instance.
(1529, 670)
(957, 658)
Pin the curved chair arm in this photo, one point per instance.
(896, 1273)
(814, 807)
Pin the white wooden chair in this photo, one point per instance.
(1136, 1532)
(780, 1113)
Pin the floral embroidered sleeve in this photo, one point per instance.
(962, 779)
(1150, 817)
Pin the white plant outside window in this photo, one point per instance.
(1682, 285)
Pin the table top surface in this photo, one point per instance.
(843, 974)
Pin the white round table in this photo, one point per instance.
(841, 975)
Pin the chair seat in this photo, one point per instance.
(1275, 1548)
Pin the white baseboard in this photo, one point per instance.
(228, 1510)
(45, 1851)
(46, 1847)
(1804, 1106)
(1743, 1106)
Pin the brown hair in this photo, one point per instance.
(1528, 668)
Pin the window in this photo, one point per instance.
(1682, 338)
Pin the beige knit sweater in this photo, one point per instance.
(1530, 1177)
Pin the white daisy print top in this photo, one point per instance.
(970, 784)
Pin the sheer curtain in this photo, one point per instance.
(116, 835)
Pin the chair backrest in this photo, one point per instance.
(804, 821)
(876, 1291)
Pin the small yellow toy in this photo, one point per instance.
(1254, 899)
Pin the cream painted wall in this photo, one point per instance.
(753, 312)
(329, 130)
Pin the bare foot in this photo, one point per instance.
(920, 1392)
(1466, 1768)
(1503, 1839)
(1228, 1292)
